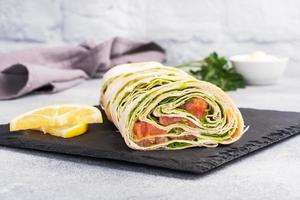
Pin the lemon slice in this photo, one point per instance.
(56, 117)
(67, 132)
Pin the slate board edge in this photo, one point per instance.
(201, 167)
(232, 153)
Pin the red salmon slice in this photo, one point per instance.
(169, 120)
(142, 129)
(196, 107)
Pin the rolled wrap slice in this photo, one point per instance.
(159, 107)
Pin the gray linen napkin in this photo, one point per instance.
(59, 68)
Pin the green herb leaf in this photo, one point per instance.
(177, 145)
(215, 69)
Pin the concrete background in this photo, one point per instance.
(188, 29)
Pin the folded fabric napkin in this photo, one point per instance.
(55, 69)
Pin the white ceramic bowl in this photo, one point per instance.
(259, 72)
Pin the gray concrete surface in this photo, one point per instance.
(270, 174)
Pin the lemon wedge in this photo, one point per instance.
(66, 120)
(67, 132)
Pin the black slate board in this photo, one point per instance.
(103, 141)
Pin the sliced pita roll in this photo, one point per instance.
(158, 107)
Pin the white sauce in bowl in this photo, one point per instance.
(257, 56)
(259, 68)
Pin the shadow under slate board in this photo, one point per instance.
(104, 141)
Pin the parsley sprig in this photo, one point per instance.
(216, 70)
